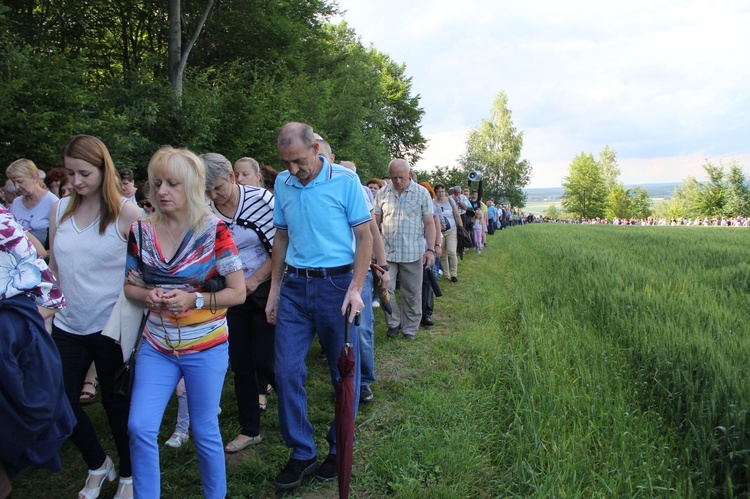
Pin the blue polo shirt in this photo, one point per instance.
(319, 216)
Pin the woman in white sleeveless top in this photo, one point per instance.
(88, 234)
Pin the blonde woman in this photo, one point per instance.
(88, 234)
(181, 246)
(31, 209)
(247, 172)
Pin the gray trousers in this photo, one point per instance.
(408, 312)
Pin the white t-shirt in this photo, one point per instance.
(91, 270)
(36, 219)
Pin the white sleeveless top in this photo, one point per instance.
(91, 272)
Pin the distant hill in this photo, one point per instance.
(553, 194)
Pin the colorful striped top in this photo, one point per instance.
(207, 251)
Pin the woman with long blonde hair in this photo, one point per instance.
(179, 248)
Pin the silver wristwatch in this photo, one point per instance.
(199, 301)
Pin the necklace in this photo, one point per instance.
(182, 235)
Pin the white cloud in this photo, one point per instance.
(654, 80)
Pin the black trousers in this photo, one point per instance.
(76, 353)
(251, 356)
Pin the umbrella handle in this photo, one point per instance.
(347, 326)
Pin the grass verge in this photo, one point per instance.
(567, 361)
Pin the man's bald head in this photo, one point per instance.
(325, 150)
(350, 165)
(293, 131)
(399, 170)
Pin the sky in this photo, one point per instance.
(666, 84)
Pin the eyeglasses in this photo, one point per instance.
(145, 205)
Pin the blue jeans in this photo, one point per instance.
(367, 335)
(156, 377)
(308, 305)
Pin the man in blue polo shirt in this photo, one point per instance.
(316, 274)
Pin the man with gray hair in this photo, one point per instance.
(403, 211)
(321, 255)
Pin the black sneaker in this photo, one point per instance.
(393, 331)
(328, 470)
(365, 395)
(454, 279)
(295, 471)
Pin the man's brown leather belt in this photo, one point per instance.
(320, 272)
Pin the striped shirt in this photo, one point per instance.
(205, 252)
(252, 227)
(401, 221)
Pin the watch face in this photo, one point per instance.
(199, 301)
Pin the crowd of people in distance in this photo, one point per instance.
(231, 267)
(713, 221)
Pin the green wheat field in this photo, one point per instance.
(568, 361)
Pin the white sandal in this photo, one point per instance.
(108, 474)
(123, 486)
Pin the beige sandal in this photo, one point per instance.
(242, 442)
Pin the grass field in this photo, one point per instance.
(568, 361)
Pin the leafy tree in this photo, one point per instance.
(553, 213)
(712, 196)
(585, 191)
(640, 203)
(494, 148)
(103, 68)
(41, 106)
(608, 163)
(685, 200)
(450, 176)
(618, 202)
(401, 111)
(738, 193)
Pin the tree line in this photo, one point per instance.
(592, 190)
(209, 75)
(494, 149)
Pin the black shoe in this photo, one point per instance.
(365, 395)
(393, 331)
(295, 471)
(454, 279)
(426, 321)
(328, 470)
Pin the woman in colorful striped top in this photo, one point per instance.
(181, 247)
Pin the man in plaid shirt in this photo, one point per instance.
(403, 210)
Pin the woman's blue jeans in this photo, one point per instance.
(156, 377)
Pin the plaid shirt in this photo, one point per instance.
(401, 221)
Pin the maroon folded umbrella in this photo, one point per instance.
(345, 409)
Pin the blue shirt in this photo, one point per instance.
(319, 216)
(492, 213)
